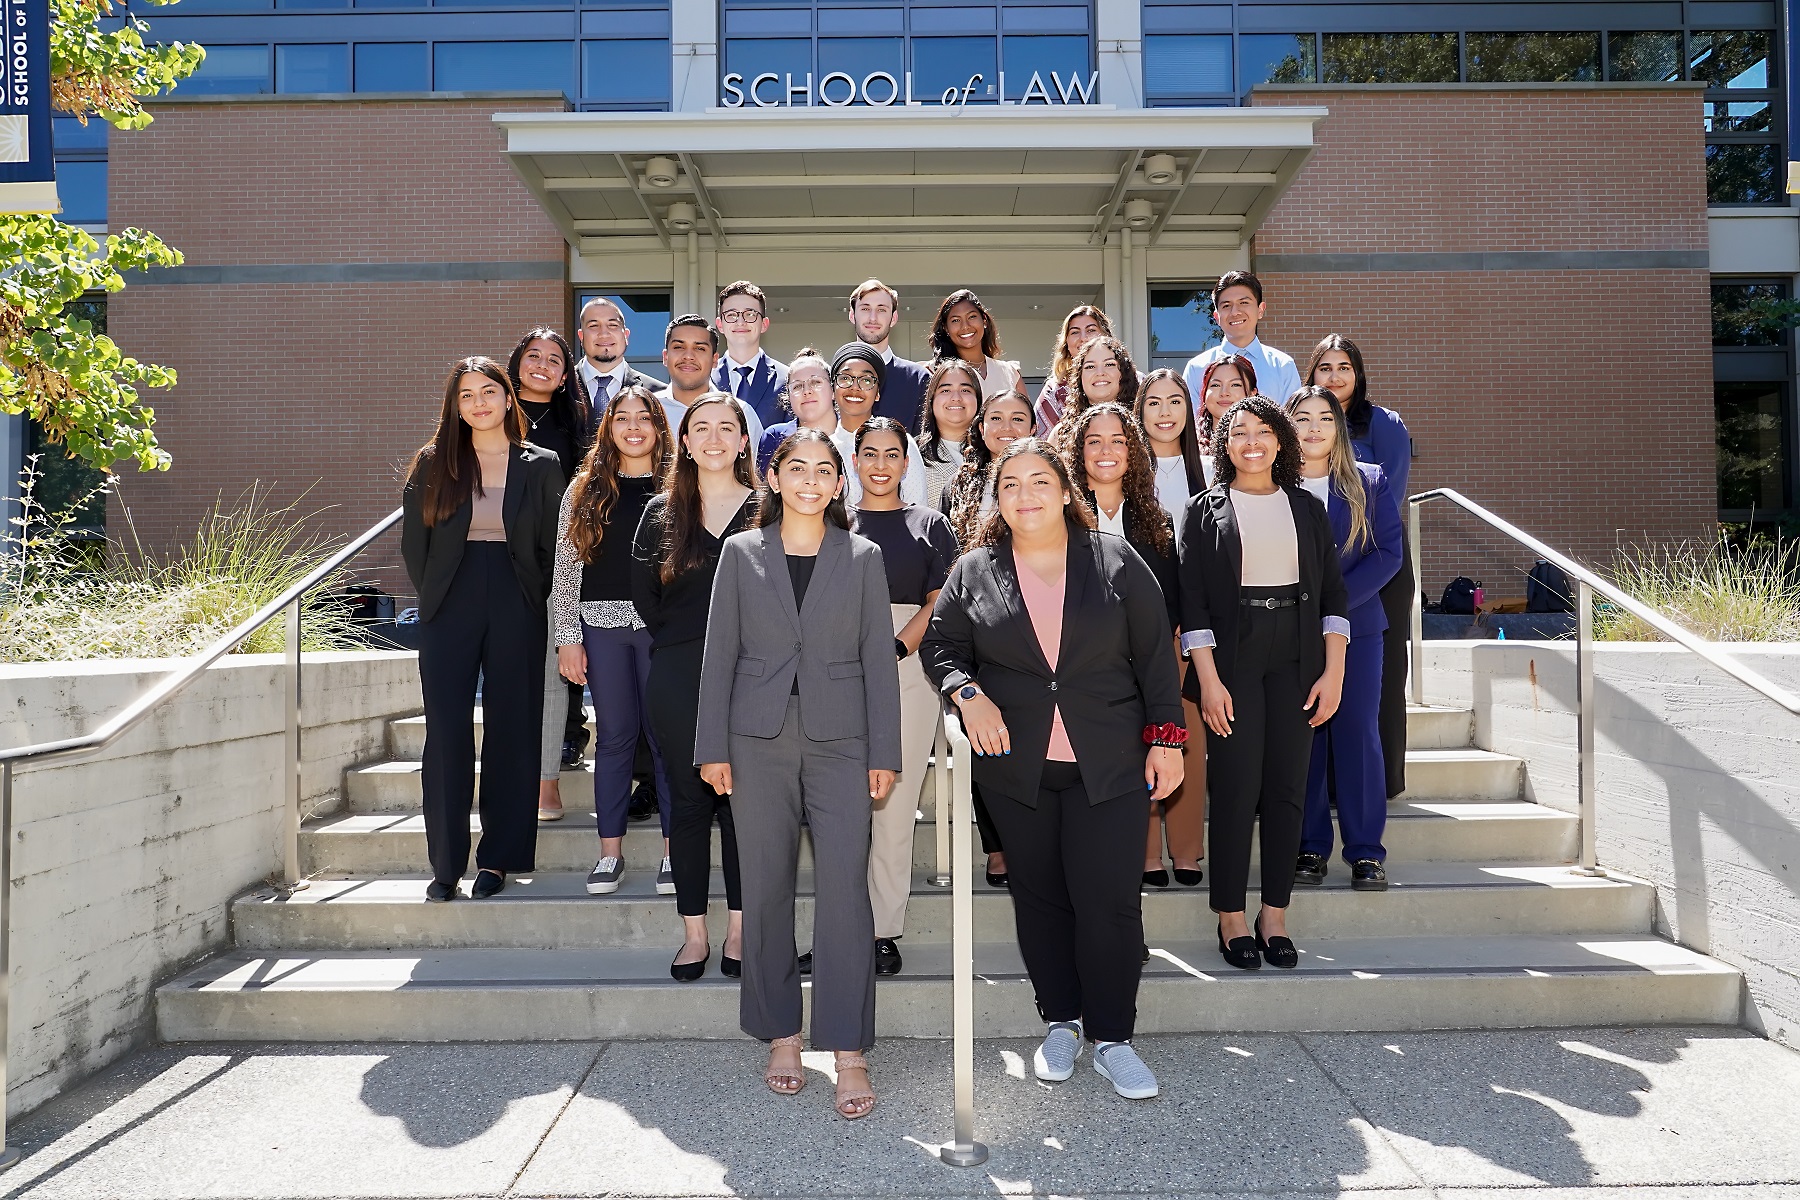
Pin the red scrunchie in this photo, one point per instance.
(1169, 734)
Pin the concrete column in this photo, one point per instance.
(1114, 302)
(1135, 279)
(1119, 34)
(694, 55)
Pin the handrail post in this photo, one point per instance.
(965, 1151)
(940, 805)
(1418, 607)
(290, 792)
(8, 1154)
(1584, 728)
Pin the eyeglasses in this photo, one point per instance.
(862, 383)
(806, 387)
(741, 316)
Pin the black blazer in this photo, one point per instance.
(632, 378)
(1113, 671)
(534, 488)
(1212, 567)
(1161, 565)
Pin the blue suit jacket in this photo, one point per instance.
(1368, 565)
(903, 393)
(767, 382)
(1388, 446)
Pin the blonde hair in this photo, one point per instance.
(1342, 463)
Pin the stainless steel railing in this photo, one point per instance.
(1587, 586)
(290, 602)
(953, 774)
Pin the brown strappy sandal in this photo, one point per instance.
(856, 1104)
(784, 1082)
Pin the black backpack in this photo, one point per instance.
(1547, 589)
(1459, 596)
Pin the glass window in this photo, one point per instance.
(1738, 116)
(1187, 65)
(502, 66)
(1276, 58)
(862, 20)
(1644, 57)
(230, 70)
(942, 63)
(859, 58)
(312, 4)
(1044, 56)
(647, 316)
(1389, 58)
(81, 186)
(1044, 19)
(1181, 324)
(769, 20)
(646, 81)
(313, 69)
(393, 67)
(1752, 434)
(1533, 57)
(1744, 173)
(1750, 314)
(1730, 59)
(780, 57)
(951, 20)
(68, 133)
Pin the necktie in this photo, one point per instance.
(602, 385)
(743, 387)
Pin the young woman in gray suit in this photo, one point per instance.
(800, 714)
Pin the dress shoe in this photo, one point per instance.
(806, 963)
(1156, 879)
(1309, 870)
(688, 972)
(731, 968)
(1189, 878)
(887, 957)
(1367, 875)
(439, 891)
(1241, 953)
(487, 883)
(1279, 951)
(997, 880)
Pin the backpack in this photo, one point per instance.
(1459, 596)
(1547, 589)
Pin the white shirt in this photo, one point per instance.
(591, 375)
(1172, 490)
(1276, 375)
(912, 484)
(733, 366)
(752, 423)
(1210, 469)
(1320, 487)
(1112, 524)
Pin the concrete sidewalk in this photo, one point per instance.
(1666, 1112)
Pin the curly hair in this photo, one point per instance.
(1143, 511)
(1286, 471)
(595, 488)
(1077, 512)
(1128, 374)
(962, 495)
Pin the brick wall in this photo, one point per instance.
(1576, 403)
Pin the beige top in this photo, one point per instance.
(1271, 547)
(486, 523)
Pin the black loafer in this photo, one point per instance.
(1367, 875)
(806, 963)
(1156, 879)
(487, 883)
(1309, 870)
(887, 957)
(997, 881)
(438, 891)
(1279, 951)
(1241, 953)
(1189, 878)
(731, 968)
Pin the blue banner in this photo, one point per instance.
(27, 171)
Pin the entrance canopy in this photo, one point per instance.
(983, 177)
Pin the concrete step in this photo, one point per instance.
(553, 911)
(1351, 983)
(1417, 831)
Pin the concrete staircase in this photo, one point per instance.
(1484, 926)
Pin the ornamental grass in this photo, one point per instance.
(1723, 590)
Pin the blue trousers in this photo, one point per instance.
(1347, 764)
(618, 664)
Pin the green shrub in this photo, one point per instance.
(1725, 591)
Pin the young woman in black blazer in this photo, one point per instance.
(1265, 626)
(479, 539)
(708, 497)
(1053, 641)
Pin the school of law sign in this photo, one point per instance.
(27, 172)
(880, 89)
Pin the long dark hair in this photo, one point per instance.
(942, 346)
(1286, 471)
(569, 409)
(770, 510)
(966, 487)
(931, 442)
(1246, 371)
(682, 547)
(595, 488)
(1076, 512)
(1143, 511)
(1061, 361)
(1359, 410)
(1128, 376)
(1190, 433)
(446, 466)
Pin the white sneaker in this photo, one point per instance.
(1118, 1063)
(665, 879)
(1055, 1059)
(604, 877)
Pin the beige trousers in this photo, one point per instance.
(894, 819)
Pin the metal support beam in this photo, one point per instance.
(1174, 202)
(656, 225)
(1118, 197)
(8, 1154)
(700, 194)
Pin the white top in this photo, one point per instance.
(999, 377)
(912, 484)
(1112, 524)
(1271, 546)
(752, 423)
(1210, 469)
(1172, 489)
(591, 375)
(1320, 487)
(1276, 375)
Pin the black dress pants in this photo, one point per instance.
(1260, 770)
(1396, 601)
(1076, 873)
(484, 631)
(673, 696)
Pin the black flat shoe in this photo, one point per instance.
(1279, 951)
(731, 968)
(1367, 875)
(997, 881)
(487, 883)
(437, 891)
(806, 963)
(1156, 879)
(1241, 953)
(688, 972)
(1309, 870)
(887, 957)
(1189, 878)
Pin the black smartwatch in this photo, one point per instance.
(900, 650)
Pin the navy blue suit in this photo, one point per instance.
(768, 380)
(1347, 752)
(1388, 445)
(903, 393)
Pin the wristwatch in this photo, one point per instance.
(968, 692)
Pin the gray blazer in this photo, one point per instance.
(840, 643)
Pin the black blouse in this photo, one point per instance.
(608, 577)
(917, 545)
(675, 612)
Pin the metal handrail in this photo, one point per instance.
(127, 718)
(963, 1150)
(1588, 584)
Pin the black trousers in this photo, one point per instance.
(575, 723)
(1259, 772)
(1076, 870)
(1396, 601)
(484, 631)
(984, 823)
(673, 696)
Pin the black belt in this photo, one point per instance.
(1270, 602)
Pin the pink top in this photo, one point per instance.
(1044, 602)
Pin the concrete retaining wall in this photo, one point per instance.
(1698, 786)
(123, 864)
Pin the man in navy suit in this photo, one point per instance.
(746, 371)
(874, 311)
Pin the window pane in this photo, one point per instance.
(625, 71)
(1751, 421)
(768, 20)
(81, 186)
(1044, 19)
(951, 20)
(862, 20)
(1181, 324)
(1750, 314)
(1730, 59)
(230, 70)
(1737, 116)
(780, 57)
(312, 4)
(859, 58)
(1276, 58)
(502, 66)
(1025, 56)
(1644, 57)
(1187, 65)
(392, 67)
(1390, 58)
(1533, 57)
(646, 317)
(67, 133)
(1744, 174)
(941, 63)
(312, 69)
